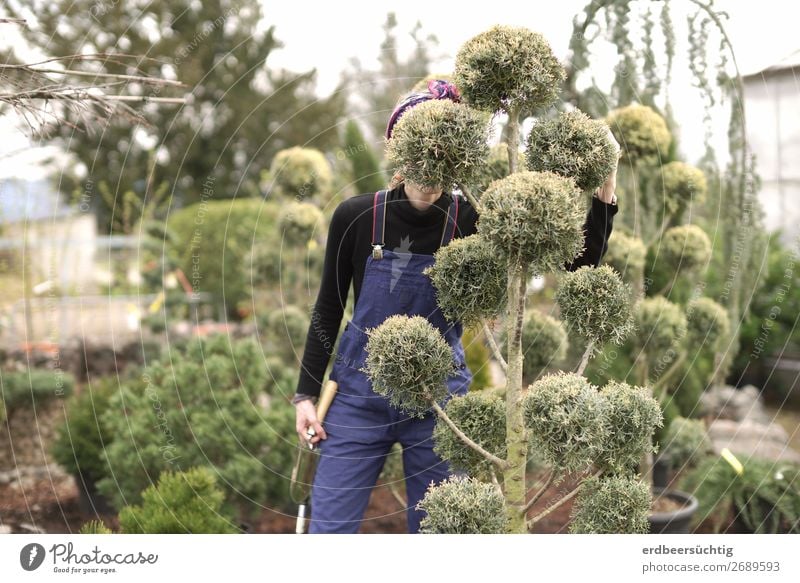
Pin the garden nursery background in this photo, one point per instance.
(167, 176)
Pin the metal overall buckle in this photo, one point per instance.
(377, 251)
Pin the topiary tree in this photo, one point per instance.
(301, 173)
(530, 223)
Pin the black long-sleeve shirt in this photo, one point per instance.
(408, 230)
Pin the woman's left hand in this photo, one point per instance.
(606, 191)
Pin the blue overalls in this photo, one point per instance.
(361, 425)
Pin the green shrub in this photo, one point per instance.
(686, 248)
(208, 406)
(182, 502)
(94, 527)
(439, 143)
(626, 255)
(596, 304)
(544, 343)
(496, 167)
(642, 133)
(686, 442)
(471, 285)
(765, 497)
(302, 174)
(564, 417)
(211, 239)
(508, 68)
(408, 361)
(684, 185)
(534, 219)
(480, 415)
(611, 505)
(286, 332)
(708, 323)
(462, 505)
(477, 356)
(300, 222)
(34, 387)
(572, 145)
(660, 328)
(82, 438)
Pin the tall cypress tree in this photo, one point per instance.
(367, 174)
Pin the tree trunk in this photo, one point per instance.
(516, 440)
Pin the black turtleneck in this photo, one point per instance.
(409, 230)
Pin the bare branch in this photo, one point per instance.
(495, 348)
(500, 463)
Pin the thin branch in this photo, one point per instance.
(585, 359)
(558, 503)
(498, 354)
(500, 463)
(397, 496)
(549, 482)
(471, 198)
(139, 78)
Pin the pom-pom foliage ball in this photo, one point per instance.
(611, 505)
(626, 255)
(460, 505)
(508, 68)
(686, 248)
(564, 416)
(299, 222)
(572, 145)
(595, 303)
(686, 442)
(439, 143)
(471, 284)
(544, 343)
(642, 134)
(482, 417)
(408, 361)
(534, 219)
(708, 323)
(302, 173)
(660, 325)
(683, 185)
(632, 416)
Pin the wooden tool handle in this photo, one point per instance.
(328, 392)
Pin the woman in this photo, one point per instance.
(381, 242)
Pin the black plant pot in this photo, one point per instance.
(90, 501)
(660, 473)
(678, 521)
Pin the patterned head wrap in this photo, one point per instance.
(437, 89)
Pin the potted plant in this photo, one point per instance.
(531, 222)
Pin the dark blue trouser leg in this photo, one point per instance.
(421, 465)
(351, 459)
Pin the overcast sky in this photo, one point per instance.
(326, 35)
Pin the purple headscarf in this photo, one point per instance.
(437, 89)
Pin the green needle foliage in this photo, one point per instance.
(686, 248)
(460, 505)
(480, 415)
(632, 416)
(564, 416)
(302, 174)
(572, 145)
(544, 343)
(471, 284)
(300, 222)
(684, 185)
(534, 219)
(181, 503)
(439, 143)
(408, 361)
(686, 442)
(95, 527)
(508, 68)
(626, 255)
(611, 505)
(205, 405)
(595, 303)
(660, 326)
(642, 133)
(708, 323)
(765, 497)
